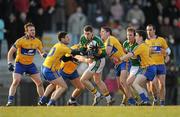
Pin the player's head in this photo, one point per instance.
(88, 32)
(105, 32)
(140, 36)
(29, 29)
(151, 30)
(130, 34)
(63, 37)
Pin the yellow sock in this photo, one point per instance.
(94, 91)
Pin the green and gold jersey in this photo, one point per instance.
(130, 48)
(96, 42)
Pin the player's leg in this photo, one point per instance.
(44, 99)
(12, 90)
(103, 88)
(77, 91)
(123, 81)
(137, 84)
(154, 88)
(162, 89)
(35, 76)
(39, 84)
(161, 75)
(134, 70)
(85, 81)
(61, 86)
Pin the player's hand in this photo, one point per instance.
(167, 59)
(44, 55)
(10, 67)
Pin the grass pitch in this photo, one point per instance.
(90, 111)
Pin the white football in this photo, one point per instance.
(91, 44)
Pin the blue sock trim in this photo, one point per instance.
(162, 102)
(10, 98)
(51, 102)
(131, 101)
(143, 97)
(43, 99)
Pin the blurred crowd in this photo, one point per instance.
(72, 15)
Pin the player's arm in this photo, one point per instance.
(167, 55)
(135, 52)
(166, 51)
(109, 48)
(127, 56)
(10, 54)
(10, 58)
(40, 50)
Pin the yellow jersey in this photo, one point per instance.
(157, 44)
(53, 60)
(143, 52)
(70, 66)
(117, 49)
(26, 49)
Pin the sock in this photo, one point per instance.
(108, 98)
(162, 102)
(95, 92)
(51, 102)
(143, 97)
(43, 99)
(72, 100)
(155, 98)
(131, 101)
(10, 99)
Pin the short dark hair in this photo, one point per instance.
(142, 33)
(29, 24)
(108, 29)
(61, 35)
(88, 28)
(154, 28)
(131, 29)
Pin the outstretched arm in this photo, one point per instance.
(127, 56)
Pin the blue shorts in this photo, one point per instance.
(72, 76)
(48, 74)
(119, 68)
(149, 72)
(27, 69)
(161, 69)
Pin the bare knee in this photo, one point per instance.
(16, 81)
(82, 80)
(64, 86)
(39, 83)
(98, 81)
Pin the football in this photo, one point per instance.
(92, 45)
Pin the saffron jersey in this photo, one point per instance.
(117, 49)
(53, 60)
(26, 49)
(158, 45)
(143, 52)
(70, 66)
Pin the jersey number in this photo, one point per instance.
(52, 52)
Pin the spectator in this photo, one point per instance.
(135, 13)
(76, 22)
(117, 11)
(2, 30)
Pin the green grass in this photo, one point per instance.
(90, 111)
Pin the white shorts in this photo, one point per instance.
(96, 66)
(134, 70)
